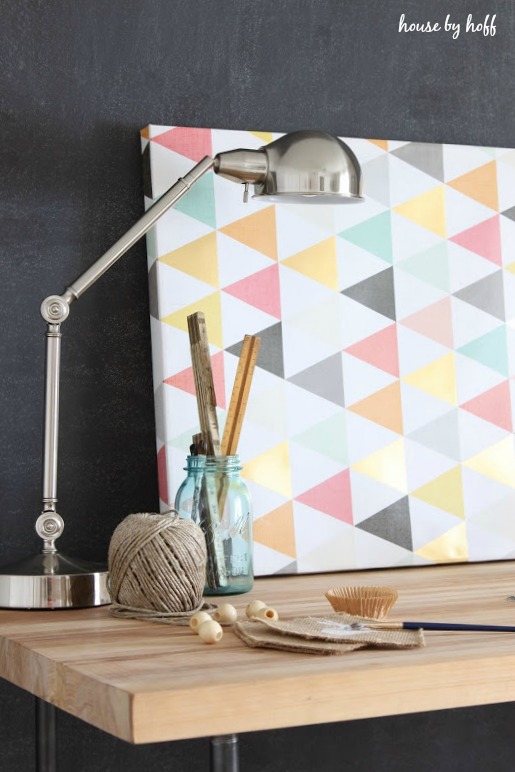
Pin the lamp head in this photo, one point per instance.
(301, 167)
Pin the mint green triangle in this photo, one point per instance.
(489, 151)
(328, 438)
(431, 266)
(374, 235)
(490, 350)
(199, 202)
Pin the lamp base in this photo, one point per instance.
(52, 580)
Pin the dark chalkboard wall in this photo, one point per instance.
(78, 80)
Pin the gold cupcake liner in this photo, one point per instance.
(372, 601)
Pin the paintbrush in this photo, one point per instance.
(431, 626)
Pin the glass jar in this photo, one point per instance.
(215, 496)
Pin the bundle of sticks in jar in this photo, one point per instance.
(212, 497)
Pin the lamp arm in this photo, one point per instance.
(54, 310)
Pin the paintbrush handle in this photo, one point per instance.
(454, 626)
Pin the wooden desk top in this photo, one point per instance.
(146, 682)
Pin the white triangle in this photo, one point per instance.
(321, 216)
(428, 523)
(374, 552)
(365, 437)
(236, 261)
(419, 408)
(179, 411)
(416, 351)
(355, 264)
(409, 239)
(154, 130)
(324, 543)
(497, 517)
(376, 179)
(361, 379)
(477, 435)
(173, 349)
(295, 234)
(407, 182)
(229, 204)
(166, 166)
(240, 319)
(463, 212)
(412, 294)
(224, 140)
(466, 267)
(268, 407)
(369, 496)
(346, 217)
(301, 350)
(507, 239)
(483, 544)
(473, 378)
(424, 464)
(363, 149)
(395, 144)
(176, 289)
(264, 500)
(470, 322)
(268, 561)
(460, 159)
(304, 409)
(298, 291)
(359, 322)
(176, 229)
(309, 468)
(321, 320)
(485, 498)
(505, 185)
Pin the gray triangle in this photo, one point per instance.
(291, 568)
(376, 179)
(376, 292)
(270, 355)
(486, 294)
(510, 213)
(325, 379)
(392, 524)
(424, 156)
(441, 435)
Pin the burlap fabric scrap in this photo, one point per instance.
(329, 634)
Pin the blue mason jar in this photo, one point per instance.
(217, 498)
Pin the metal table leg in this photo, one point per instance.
(46, 737)
(224, 753)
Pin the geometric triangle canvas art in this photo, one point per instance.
(379, 427)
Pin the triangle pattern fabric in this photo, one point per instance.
(317, 262)
(199, 202)
(260, 290)
(383, 407)
(427, 210)
(192, 143)
(451, 547)
(198, 259)
(480, 184)
(332, 497)
(445, 492)
(424, 156)
(391, 523)
(376, 293)
(490, 350)
(434, 321)
(277, 530)
(270, 352)
(374, 235)
(256, 231)
(493, 405)
(431, 266)
(324, 379)
(486, 294)
(484, 239)
(185, 380)
(380, 350)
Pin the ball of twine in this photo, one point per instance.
(157, 567)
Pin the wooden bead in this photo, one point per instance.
(210, 632)
(253, 607)
(267, 613)
(199, 618)
(226, 614)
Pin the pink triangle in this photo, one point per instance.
(380, 350)
(493, 405)
(483, 239)
(162, 477)
(434, 322)
(186, 382)
(192, 143)
(333, 497)
(260, 290)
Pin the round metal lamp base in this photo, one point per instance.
(51, 581)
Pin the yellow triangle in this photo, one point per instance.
(387, 465)
(256, 231)
(271, 470)
(510, 267)
(383, 407)
(317, 262)
(451, 547)
(497, 462)
(210, 306)
(198, 258)
(382, 143)
(277, 530)
(479, 184)
(444, 492)
(266, 136)
(427, 210)
(437, 378)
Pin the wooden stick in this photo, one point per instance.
(240, 394)
(204, 386)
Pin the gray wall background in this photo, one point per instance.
(78, 80)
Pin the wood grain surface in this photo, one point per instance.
(146, 682)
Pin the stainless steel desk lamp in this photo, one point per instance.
(302, 167)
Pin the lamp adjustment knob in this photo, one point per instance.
(54, 309)
(49, 526)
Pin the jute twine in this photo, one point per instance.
(157, 568)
